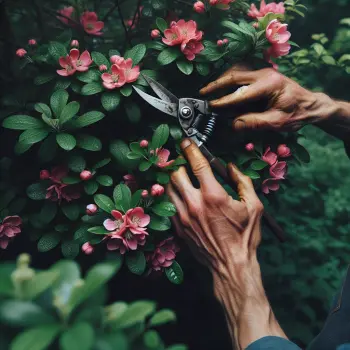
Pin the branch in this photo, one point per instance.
(123, 23)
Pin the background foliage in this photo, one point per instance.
(302, 275)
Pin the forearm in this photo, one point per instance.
(241, 293)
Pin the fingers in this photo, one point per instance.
(243, 94)
(240, 67)
(199, 164)
(180, 207)
(183, 184)
(269, 120)
(233, 78)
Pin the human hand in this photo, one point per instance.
(289, 107)
(219, 229)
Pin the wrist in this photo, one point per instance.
(320, 108)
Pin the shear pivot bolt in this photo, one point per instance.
(186, 112)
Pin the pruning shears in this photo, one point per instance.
(194, 115)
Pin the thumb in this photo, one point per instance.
(269, 120)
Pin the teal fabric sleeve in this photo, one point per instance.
(272, 343)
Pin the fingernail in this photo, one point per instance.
(202, 91)
(185, 143)
(239, 124)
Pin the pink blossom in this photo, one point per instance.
(32, 42)
(117, 225)
(87, 248)
(44, 174)
(163, 156)
(91, 24)
(278, 170)
(277, 50)
(91, 209)
(157, 190)
(137, 220)
(199, 7)
(277, 33)
(74, 43)
(144, 194)
(221, 4)
(269, 157)
(66, 14)
(270, 185)
(144, 144)
(74, 62)
(85, 175)
(164, 254)
(115, 59)
(191, 49)
(133, 22)
(249, 147)
(220, 42)
(283, 151)
(21, 52)
(102, 68)
(265, 9)
(114, 80)
(155, 33)
(225, 41)
(131, 73)
(9, 229)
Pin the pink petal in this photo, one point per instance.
(74, 55)
(109, 86)
(110, 225)
(4, 242)
(86, 58)
(132, 243)
(117, 215)
(13, 220)
(167, 263)
(169, 255)
(82, 68)
(107, 78)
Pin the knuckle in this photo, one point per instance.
(215, 198)
(258, 206)
(194, 208)
(200, 166)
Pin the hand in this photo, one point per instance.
(217, 227)
(290, 106)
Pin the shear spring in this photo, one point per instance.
(209, 129)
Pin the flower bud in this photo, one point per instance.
(91, 209)
(144, 144)
(85, 175)
(283, 151)
(155, 33)
(144, 194)
(199, 7)
(220, 42)
(32, 42)
(44, 174)
(249, 147)
(225, 41)
(255, 25)
(157, 190)
(21, 52)
(87, 248)
(213, 2)
(102, 67)
(74, 43)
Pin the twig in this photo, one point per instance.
(55, 14)
(109, 12)
(123, 23)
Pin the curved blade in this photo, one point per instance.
(163, 106)
(160, 90)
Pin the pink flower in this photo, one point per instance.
(32, 42)
(163, 156)
(220, 42)
(66, 14)
(221, 4)
(91, 24)
(131, 73)
(44, 174)
(137, 220)
(85, 175)
(73, 62)
(133, 22)
(157, 190)
(270, 185)
(199, 7)
(91, 209)
(277, 50)
(225, 41)
(155, 33)
(87, 248)
(130, 181)
(269, 157)
(278, 170)
(114, 80)
(164, 254)
(74, 43)
(117, 225)
(277, 33)
(21, 52)
(249, 147)
(144, 194)
(265, 9)
(144, 144)
(283, 151)
(191, 49)
(9, 229)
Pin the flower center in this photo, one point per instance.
(115, 78)
(128, 235)
(118, 223)
(136, 220)
(79, 63)
(90, 26)
(69, 68)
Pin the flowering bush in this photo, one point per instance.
(99, 158)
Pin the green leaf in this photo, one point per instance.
(168, 56)
(122, 197)
(119, 149)
(158, 4)
(99, 58)
(79, 336)
(71, 180)
(32, 136)
(58, 101)
(160, 136)
(43, 108)
(44, 78)
(301, 153)
(102, 163)
(162, 317)
(22, 122)
(136, 262)
(91, 187)
(136, 148)
(159, 223)
(126, 90)
(110, 100)
(185, 67)
(104, 180)
(69, 111)
(135, 199)
(49, 241)
(36, 338)
(137, 53)
(104, 202)
(90, 143)
(176, 132)
(48, 212)
(114, 52)
(88, 119)
(174, 273)
(258, 164)
(145, 165)
(329, 60)
(133, 112)
(164, 209)
(98, 230)
(252, 174)
(40, 283)
(91, 89)
(177, 347)
(36, 191)
(163, 178)
(71, 211)
(70, 249)
(89, 76)
(162, 24)
(48, 148)
(66, 141)
(21, 147)
(18, 313)
(203, 68)
(152, 340)
(76, 163)
(57, 50)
